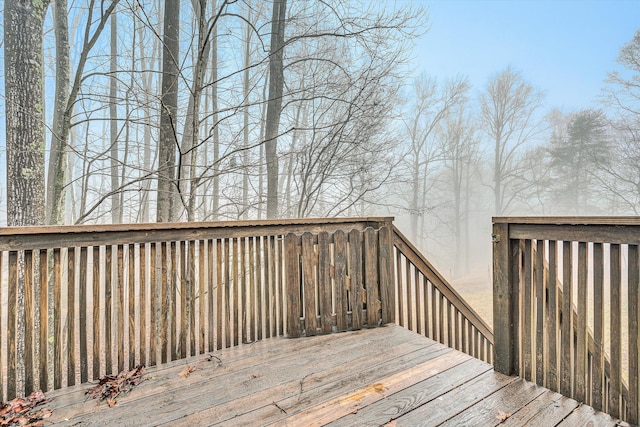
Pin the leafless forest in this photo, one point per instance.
(159, 110)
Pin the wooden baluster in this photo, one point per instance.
(309, 284)
(292, 266)
(598, 327)
(387, 293)
(425, 296)
(581, 325)
(142, 303)
(108, 307)
(253, 272)
(12, 314)
(131, 303)
(203, 295)
(401, 302)
(43, 301)
(527, 307)
(154, 294)
(120, 306)
(191, 296)
(566, 367)
(184, 286)
(552, 319)
(340, 278)
(236, 287)
(259, 288)
(324, 283)
(173, 301)
(272, 287)
(82, 316)
(355, 273)
(97, 306)
(28, 321)
(227, 293)
(267, 287)
(219, 296)
(371, 278)
(71, 318)
(164, 301)
(615, 329)
(633, 409)
(211, 294)
(540, 280)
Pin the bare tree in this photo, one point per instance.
(274, 103)
(433, 104)
(460, 147)
(509, 112)
(23, 32)
(168, 139)
(59, 142)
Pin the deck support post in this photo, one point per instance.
(504, 309)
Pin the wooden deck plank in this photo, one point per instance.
(547, 409)
(365, 377)
(490, 411)
(168, 396)
(585, 415)
(455, 400)
(413, 397)
(293, 396)
(235, 358)
(343, 405)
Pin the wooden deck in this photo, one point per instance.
(367, 377)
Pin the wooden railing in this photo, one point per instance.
(80, 302)
(339, 281)
(429, 305)
(99, 299)
(566, 298)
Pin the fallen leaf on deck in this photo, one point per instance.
(110, 387)
(22, 411)
(503, 416)
(391, 423)
(187, 371)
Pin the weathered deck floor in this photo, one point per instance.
(367, 377)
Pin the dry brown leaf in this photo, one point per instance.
(187, 371)
(503, 416)
(391, 423)
(109, 387)
(22, 411)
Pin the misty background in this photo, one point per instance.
(441, 114)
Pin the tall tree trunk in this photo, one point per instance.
(215, 208)
(55, 179)
(116, 208)
(23, 27)
(246, 91)
(274, 104)
(168, 142)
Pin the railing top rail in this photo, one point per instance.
(569, 220)
(37, 237)
(619, 230)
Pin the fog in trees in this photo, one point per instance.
(221, 110)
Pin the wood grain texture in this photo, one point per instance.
(311, 381)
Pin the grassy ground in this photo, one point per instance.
(479, 294)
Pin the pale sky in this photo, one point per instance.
(564, 47)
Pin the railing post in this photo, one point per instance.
(503, 288)
(387, 291)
